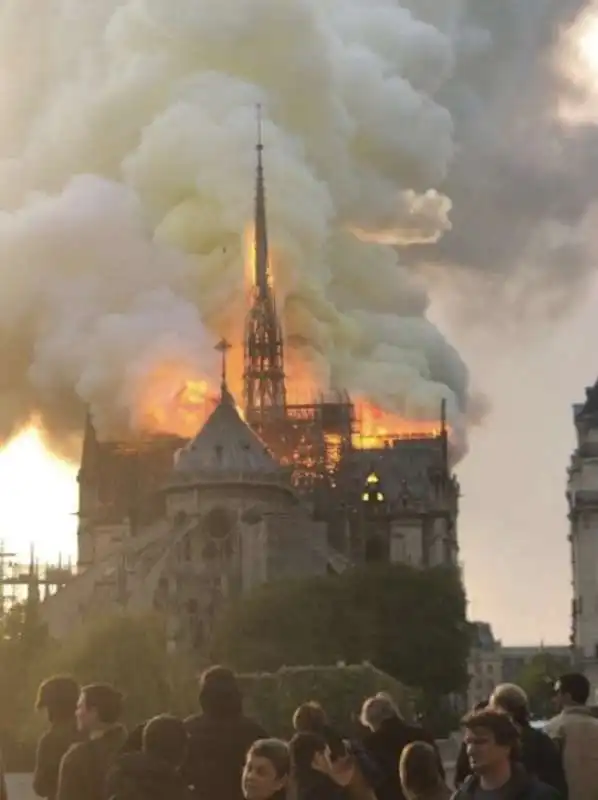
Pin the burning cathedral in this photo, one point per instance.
(269, 491)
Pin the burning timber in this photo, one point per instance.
(381, 494)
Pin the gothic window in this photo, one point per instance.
(376, 549)
(180, 518)
(187, 550)
(192, 606)
(218, 523)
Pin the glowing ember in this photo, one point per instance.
(377, 427)
(172, 403)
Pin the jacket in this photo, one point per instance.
(140, 776)
(521, 786)
(50, 749)
(216, 755)
(575, 731)
(85, 766)
(385, 746)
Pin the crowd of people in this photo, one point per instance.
(220, 754)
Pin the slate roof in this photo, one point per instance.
(407, 467)
(226, 444)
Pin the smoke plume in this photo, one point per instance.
(126, 183)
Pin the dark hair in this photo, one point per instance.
(310, 716)
(276, 751)
(166, 738)
(134, 741)
(497, 722)
(481, 705)
(59, 696)
(419, 769)
(105, 700)
(219, 693)
(303, 747)
(576, 685)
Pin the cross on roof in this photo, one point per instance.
(223, 347)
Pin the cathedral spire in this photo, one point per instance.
(223, 347)
(264, 389)
(261, 273)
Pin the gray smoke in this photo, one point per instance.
(406, 141)
(523, 181)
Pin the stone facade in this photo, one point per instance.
(484, 665)
(582, 497)
(231, 520)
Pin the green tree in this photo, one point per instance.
(537, 679)
(128, 652)
(408, 622)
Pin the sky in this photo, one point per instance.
(512, 524)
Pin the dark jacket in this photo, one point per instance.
(522, 786)
(386, 745)
(3, 789)
(217, 750)
(315, 785)
(138, 776)
(50, 749)
(85, 766)
(538, 754)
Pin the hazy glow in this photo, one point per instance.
(578, 60)
(587, 43)
(39, 496)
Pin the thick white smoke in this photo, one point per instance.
(126, 177)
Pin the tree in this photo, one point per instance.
(129, 652)
(408, 622)
(537, 679)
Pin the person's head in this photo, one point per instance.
(572, 689)
(219, 693)
(134, 741)
(58, 696)
(310, 717)
(165, 738)
(419, 770)
(308, 751)
(491, 740)
(266, 770)
(100, 706)
(377, 710)
(512, 699)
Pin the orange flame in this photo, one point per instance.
(377, 427)
(171, 402)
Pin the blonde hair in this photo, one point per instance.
(377, 709)
(512, 699)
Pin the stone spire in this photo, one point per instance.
(263, 375)
(260, 265)
(223, 347)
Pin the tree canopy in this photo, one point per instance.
(408, 622)
(537, 679)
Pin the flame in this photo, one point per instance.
(377, 428)
(172, 402)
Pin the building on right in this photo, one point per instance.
(582, 498)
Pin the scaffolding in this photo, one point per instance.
(20, 581)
